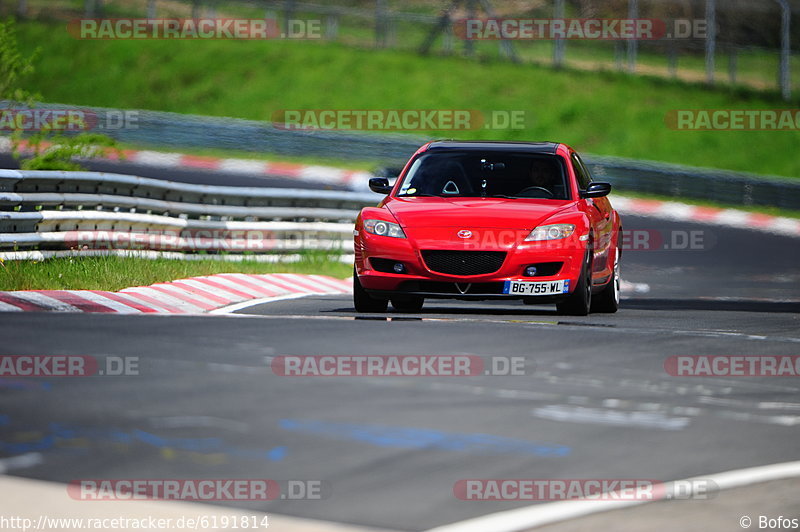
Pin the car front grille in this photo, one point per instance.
(463, 262)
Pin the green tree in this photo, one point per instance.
(51, 149)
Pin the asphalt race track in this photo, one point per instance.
(187, 175)
(595, 402)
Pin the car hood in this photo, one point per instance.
(474, 213)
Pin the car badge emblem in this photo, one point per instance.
(463, 290)
(465, 233)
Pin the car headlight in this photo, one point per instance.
(381, 228)
(551, 232)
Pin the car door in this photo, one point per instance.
(599, 212)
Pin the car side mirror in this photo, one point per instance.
(380, 185)
(596, 190)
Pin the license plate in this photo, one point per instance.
(542, 288)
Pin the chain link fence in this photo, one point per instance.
(736, 42)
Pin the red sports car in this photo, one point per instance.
(489, 220)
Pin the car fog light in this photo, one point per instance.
(530, 271)
(399, 267)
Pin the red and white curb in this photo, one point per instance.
(682, 212)
(326, 175)
(215, 294)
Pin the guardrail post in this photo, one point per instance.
(711, 39)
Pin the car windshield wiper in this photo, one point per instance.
(503, 196)
(418, 196)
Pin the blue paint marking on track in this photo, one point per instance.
(419, 438)
(200, 445)
(4, 420)
(20, 385)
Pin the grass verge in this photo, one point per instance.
(607, 113)
(115, 273)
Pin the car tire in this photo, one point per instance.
(608, 300)
(412, 304)
(579, 301)
(365, 302)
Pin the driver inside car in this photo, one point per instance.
(541, 177)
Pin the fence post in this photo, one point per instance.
(151, 9)
(93, 7)
(786, 51)
(331, 26)
(633, 44)
(380, 23)
(559, 44)
(288, 15)
(732, 57)
(22, 8)
(711, 40)
(618, 55)
(196, 9)
(469, 44)
(448, 40)
(672, 59)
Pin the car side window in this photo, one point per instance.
(584, 178)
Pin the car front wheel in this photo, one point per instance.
(365, 302)
(580, 300)
(608, 300)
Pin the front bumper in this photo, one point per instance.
(419, 279)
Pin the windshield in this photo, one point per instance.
(486, 174)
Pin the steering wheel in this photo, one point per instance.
(529, 192)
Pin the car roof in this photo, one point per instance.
(483, 145)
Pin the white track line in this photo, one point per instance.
(546, 514)
(246, 304)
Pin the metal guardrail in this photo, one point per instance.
(53, 210)
(182, 131)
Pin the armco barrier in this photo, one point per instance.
(184, 131)
(54, 210)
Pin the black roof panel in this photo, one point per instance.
(481, 145)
